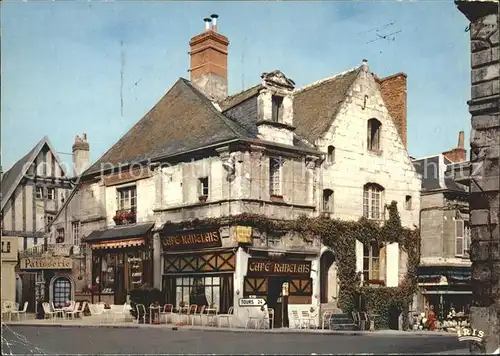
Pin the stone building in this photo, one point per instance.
(273, 150)
(445, 267)
(484, 107)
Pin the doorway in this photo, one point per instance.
(277, 302)
(326, 286)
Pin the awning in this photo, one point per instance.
(454, 274)
(125, 232)
(118, 243)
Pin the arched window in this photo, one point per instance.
(328, 200)
(61, 291)
(374, 128)
(326, 263)
(330, 158)
(373, 201)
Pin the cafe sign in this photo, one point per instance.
(243, 234)
(192, 241)
(263, 267)
(48, 262)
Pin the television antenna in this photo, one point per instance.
(388, 37)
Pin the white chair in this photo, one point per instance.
(256, 320)
(140, 308)
(228, 317)
(168, 310)
(327, 316)
(19, 312)
(198, 315)
(270, 312)
(297, 321)
(48, 313)
(307, 320)
(97, 310)
(119, 312)
(58, 311)
(74, 312)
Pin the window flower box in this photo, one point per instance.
(375, 283)
(202, 198)
(123, 217)
(277, 198)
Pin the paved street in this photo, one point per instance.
(94, 340)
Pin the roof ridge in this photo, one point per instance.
(241, 92)
(324, 80)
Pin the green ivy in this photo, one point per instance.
(341, 237)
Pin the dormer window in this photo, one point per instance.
(277, 114)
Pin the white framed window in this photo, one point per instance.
(203, 187)
(330, 158)
(371, 261)
(275, 165)
(328, 201)
(373, 201)
(462, 238)
(39, 192)
(75, 232)
(51, 193)
(127, 198)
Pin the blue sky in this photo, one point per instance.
(61, 61)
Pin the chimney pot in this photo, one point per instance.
(460, 139)
(207, 23)
(214, 22)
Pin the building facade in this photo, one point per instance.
(484, 107)
(169, 203)
(445, 267)
(9, 262)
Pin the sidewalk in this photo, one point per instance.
(94, 322)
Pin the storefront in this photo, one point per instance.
(9, 262)
(283, 279)
(121, 262)
(197, 269)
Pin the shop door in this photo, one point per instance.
(28, 281)
(121, 293)
(276, 301)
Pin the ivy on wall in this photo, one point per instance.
(341, 237)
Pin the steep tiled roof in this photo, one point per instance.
(13, 176)
(183, 119)
(315, 105)
(235, 99)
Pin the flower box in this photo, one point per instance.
(202, 198)
(124, 217)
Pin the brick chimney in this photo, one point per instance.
(208, 52)
(81, 154)
(458, 154)
(393, 89)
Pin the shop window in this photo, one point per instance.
(61, 291)
(371, 261)
(275, 165)
(374, 128)
(108, 270)
(372, 201)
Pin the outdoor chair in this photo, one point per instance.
(257, 320)
(367, 321)
(119, 312)
(58, 311)
(228, 317)
(74, 312)
(48, 313)
(327, 316)
(356, 319)
(297, 322)
(198, 315)
(191, 311)
(270, 313)
(19, 312)
(140, 308)
(168, 310)
(307, 320)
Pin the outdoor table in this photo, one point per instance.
(156, 311)
(211, 316)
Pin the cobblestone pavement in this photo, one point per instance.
(17, 339)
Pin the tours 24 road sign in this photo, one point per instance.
(251, 302)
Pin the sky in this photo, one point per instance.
(62, 61)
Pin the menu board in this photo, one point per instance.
(135, 268)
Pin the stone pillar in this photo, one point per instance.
(484, 185)
(157, 257)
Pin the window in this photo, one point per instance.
(75, 229)
(328, 200)
(277, 108)
(372, 201)
(408, 202)
(39, 192)
(463, 239)
(198, 290)
(51, 193)
(127, 198)
(371, 261)
(203, 186)
(374, 127)
(62, 292)
(275, 176)
(60, 235)
(331, 155)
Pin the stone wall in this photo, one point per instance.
(485, 150)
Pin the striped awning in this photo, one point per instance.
(118, 243)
